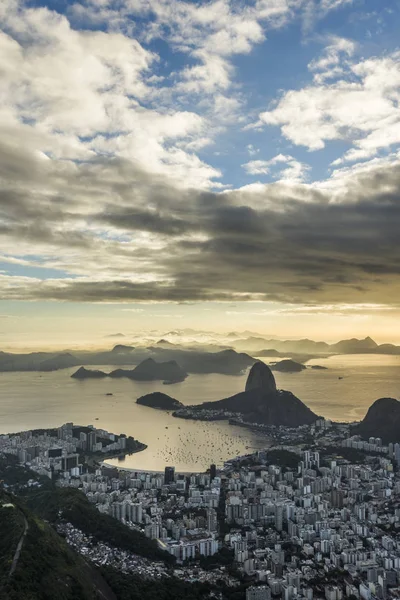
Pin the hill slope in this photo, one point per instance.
(261, 402)
(47, 568)
(382, 420)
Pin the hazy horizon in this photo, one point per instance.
(216, 165)
(143, 338)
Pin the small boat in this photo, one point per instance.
(109, 394)
(340, 377)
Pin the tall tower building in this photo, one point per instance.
(169, 475)
(212, 522)
(90, 441)
(279, 517)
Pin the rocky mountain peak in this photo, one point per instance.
(261, 377)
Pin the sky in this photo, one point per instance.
(214, 165)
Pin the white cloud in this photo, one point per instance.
(332, 62)
(294, 171)
(360, 107)
(252, 150)
(76, 94)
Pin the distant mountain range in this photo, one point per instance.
(306, 346)
(261, 402)
(196, 357)
(226, 362)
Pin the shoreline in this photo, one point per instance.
(124, 454)
(155, 472)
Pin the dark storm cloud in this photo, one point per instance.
(296, 243)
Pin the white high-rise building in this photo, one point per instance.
(262, 592)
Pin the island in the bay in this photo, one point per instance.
(288, 366)
(160, 401)
(148, 370)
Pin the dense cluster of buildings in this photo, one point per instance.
(53, 453)
(320, 526)
(177, 510)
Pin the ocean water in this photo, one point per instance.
(34, 400)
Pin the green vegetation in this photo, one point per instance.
(350, 454)
(12, 474)
(46, 568)
(76, 509)
(283, 458)
(11, 529)
(224, 557)
(132, 587)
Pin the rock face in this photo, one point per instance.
(159, 400)
(260, 377)
(382, 420)
(260, 403)
(288, 366)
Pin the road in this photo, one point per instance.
(19, 548)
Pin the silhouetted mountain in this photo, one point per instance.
(196, 358)
(261, 402)
(83, 373)
(148, 370)
(305, 346)
(165, 343)
(382, 420)
(354, 346)
(115, 335)
(269, 352)
(260, 378)
(159, 400)
(122, 348)
(288, 366)
(388, 349)
(225, 362)
(60, 361)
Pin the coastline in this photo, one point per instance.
(117, 455)
(154, 472)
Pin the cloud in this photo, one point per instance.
(101, 182)
(333, 59)
(294, 171)
(360, 106)
(122, 234)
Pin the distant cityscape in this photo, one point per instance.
(316, 515)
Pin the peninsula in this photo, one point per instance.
(261, 403)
